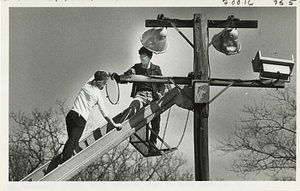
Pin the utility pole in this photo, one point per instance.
(201, 80)
(274, 72)
(201, 110)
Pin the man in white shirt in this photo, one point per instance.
(87, 98)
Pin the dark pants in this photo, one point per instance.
(75, 127)
(155, 124)
(142, 99)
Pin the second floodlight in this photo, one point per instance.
(227, 41)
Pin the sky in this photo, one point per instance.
(53, 51)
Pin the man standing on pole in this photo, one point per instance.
(144, 93)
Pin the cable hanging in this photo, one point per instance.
(168, 117)
(108, 97)
(183, 133)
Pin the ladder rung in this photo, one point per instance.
(104, 143)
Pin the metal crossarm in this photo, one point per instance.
(263, 83)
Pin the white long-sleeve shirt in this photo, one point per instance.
(87, 98)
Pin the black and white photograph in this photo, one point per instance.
(142, 96)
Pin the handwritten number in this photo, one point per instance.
(291, 2)
(238, 2)
(280, 2)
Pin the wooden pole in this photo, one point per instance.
(200, 26)
(201, 110)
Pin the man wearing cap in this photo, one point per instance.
(87, 98)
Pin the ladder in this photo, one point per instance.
(102, 140)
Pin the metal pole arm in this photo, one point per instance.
(256, 83)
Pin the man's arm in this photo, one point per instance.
(109, 120)
(105, 113)
(130, 71)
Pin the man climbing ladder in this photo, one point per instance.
(88, 97)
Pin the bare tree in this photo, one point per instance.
(124, 163)
(35, 139)
(40, 136)
(265, 138)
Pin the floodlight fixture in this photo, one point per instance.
(273, 67)
(227, 41)
(155, 40)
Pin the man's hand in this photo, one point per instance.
(118, 126)
(115, 76)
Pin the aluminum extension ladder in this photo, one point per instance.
(102, 140)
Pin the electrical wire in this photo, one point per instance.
(184, 130)
(183, 133)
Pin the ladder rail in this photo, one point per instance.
(81, 160)
(38, 173)
(41, 171)
(106, 142)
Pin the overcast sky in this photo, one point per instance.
(53, 51)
